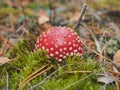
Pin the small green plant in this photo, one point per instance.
(113, 46)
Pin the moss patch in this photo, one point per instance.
(25, 62)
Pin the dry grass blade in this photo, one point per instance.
(74, 72)
(116, 82)
(66, 88)
(34, 73)
(12, 22)
(96, 41)
(4, 60)
(114, 73)
(115, 27)
(25, 30)
(89, 49)
(32, 77)
(35, 86)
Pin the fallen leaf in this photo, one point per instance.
(105, 78)
(42, 17)
(4, 60)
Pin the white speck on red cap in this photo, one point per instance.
(69, 36)
(43, 47)
(59, 60)
(60, 49)
(51, 54)
(56, 46)
(64, 48)
(67, 54)
(64, 56)
(51, 48)
(56, 53)
(40, 39)
(71, 53)
(47, 50)
(74, 45)
(79, 48)
(75, 50)
(60, 55)
(65, 42)
(69, 43)
(70, 48)
(78, 41)
(75, 33)
(45, 40)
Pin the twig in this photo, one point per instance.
(81, 15)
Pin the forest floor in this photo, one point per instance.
(23, 69)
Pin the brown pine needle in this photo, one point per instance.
(38, 74)
(116, 82)
(114, 73)
(100, 55)
(32, 75)
(74, 72)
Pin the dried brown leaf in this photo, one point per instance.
(105, 78)
(42, 17)
(4, 60)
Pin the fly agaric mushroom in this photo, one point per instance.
(60, 42)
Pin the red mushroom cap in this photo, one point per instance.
(60, 42)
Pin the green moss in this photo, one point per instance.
(25, 62)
